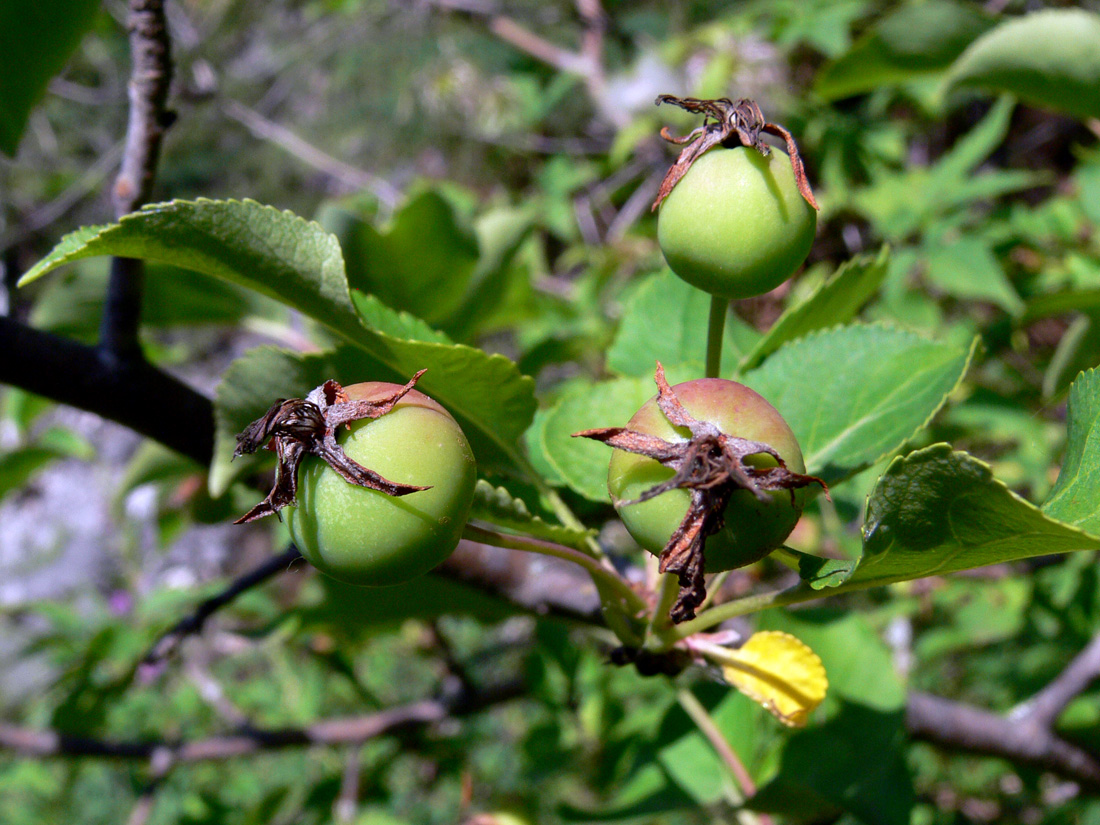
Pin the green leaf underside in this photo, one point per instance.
(666, 321)
(1075, 498)
(914, 41)
(499, 507)
(36, 40)
(582, 462)
(936, 511)
(835, 301)
(1050, 58)
(854, 394)
(300, 264)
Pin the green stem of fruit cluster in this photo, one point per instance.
(659, 620)
(618, 598)
(719, 308)
(800, 592)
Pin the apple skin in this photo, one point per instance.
(753, 528)
(366, 537)
(736, 225)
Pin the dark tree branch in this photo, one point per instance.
(963, 727)
(135, 394)
(150, 80)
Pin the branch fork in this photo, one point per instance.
(741, 123)
(712, 465)
(297, 427)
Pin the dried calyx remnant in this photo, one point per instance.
(735, 124)
(298, 427)
(712, 465)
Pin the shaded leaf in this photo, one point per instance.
(422, 262)
(855, 762)
(913, 41)
(966, 268)
(1050, 58)
(36, 41)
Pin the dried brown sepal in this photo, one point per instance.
(742, 120)
(712, 465)
(299, 427)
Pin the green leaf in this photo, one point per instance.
(854, 394)
(499, 507)
(381, 318)
(36, 41)
(666, 320)
(72, 305)
(295, 261)
(966, 268)
(1050, 58)
(935, 511)
(274, 253)
(582, 462)
(835, 301)
(913, 41)
(1075, 498)
(421, 263)
(690, 761)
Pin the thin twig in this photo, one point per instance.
(193, 623)
(706, 725)
(349, 178)
(165, 755)
(149, 117)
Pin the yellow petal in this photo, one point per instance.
(780, 672)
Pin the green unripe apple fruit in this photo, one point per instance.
(367, 537)
(752, 528)
(736, 225)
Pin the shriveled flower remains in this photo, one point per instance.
(298, 427)
(712, 465)
(742, 122)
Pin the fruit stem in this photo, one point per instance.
(617, 596)
(660, 620)
(716, 326)
(801, 592)
(743, 786)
